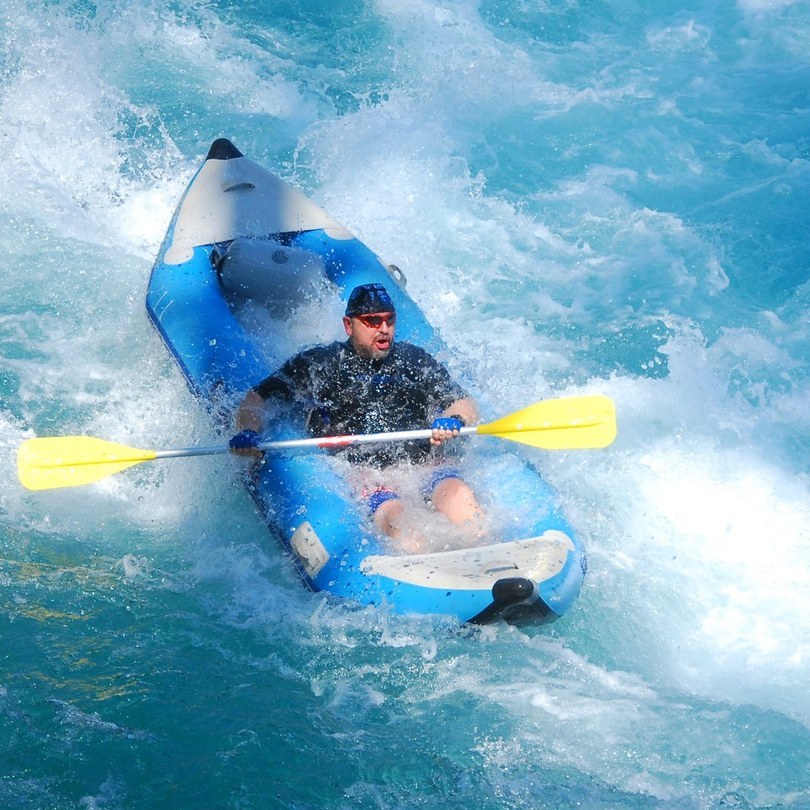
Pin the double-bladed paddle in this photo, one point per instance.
(553, 424)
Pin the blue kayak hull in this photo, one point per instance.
(240, 234)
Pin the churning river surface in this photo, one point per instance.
(586, 197)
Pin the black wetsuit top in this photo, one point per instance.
(347, 393)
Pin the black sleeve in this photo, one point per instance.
(438, 384)
(297, 378)
(274, 387)
(277, 386)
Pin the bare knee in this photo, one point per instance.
(385, 517)
(454, 499)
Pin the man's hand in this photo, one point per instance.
(445, 428)
(245, 443)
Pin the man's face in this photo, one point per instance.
(371, 335)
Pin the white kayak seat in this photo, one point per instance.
(270, 273)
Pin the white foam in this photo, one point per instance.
(762, 6)
(700, 534)
(695, 520)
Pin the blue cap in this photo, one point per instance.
(369, 298)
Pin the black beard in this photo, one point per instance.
(369, 353)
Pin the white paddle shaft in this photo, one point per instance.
(322, 441)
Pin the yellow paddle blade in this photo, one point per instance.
(559, 424)
(69, 461)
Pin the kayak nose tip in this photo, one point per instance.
(223, 149)
(512, 590)
(512, 599)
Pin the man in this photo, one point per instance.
(372, 384)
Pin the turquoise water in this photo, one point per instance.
(585, 197)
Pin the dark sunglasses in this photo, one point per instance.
(376, 321)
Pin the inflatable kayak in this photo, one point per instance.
(241, 253)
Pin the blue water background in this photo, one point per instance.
(585, 197)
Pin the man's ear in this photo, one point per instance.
(347, 324)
